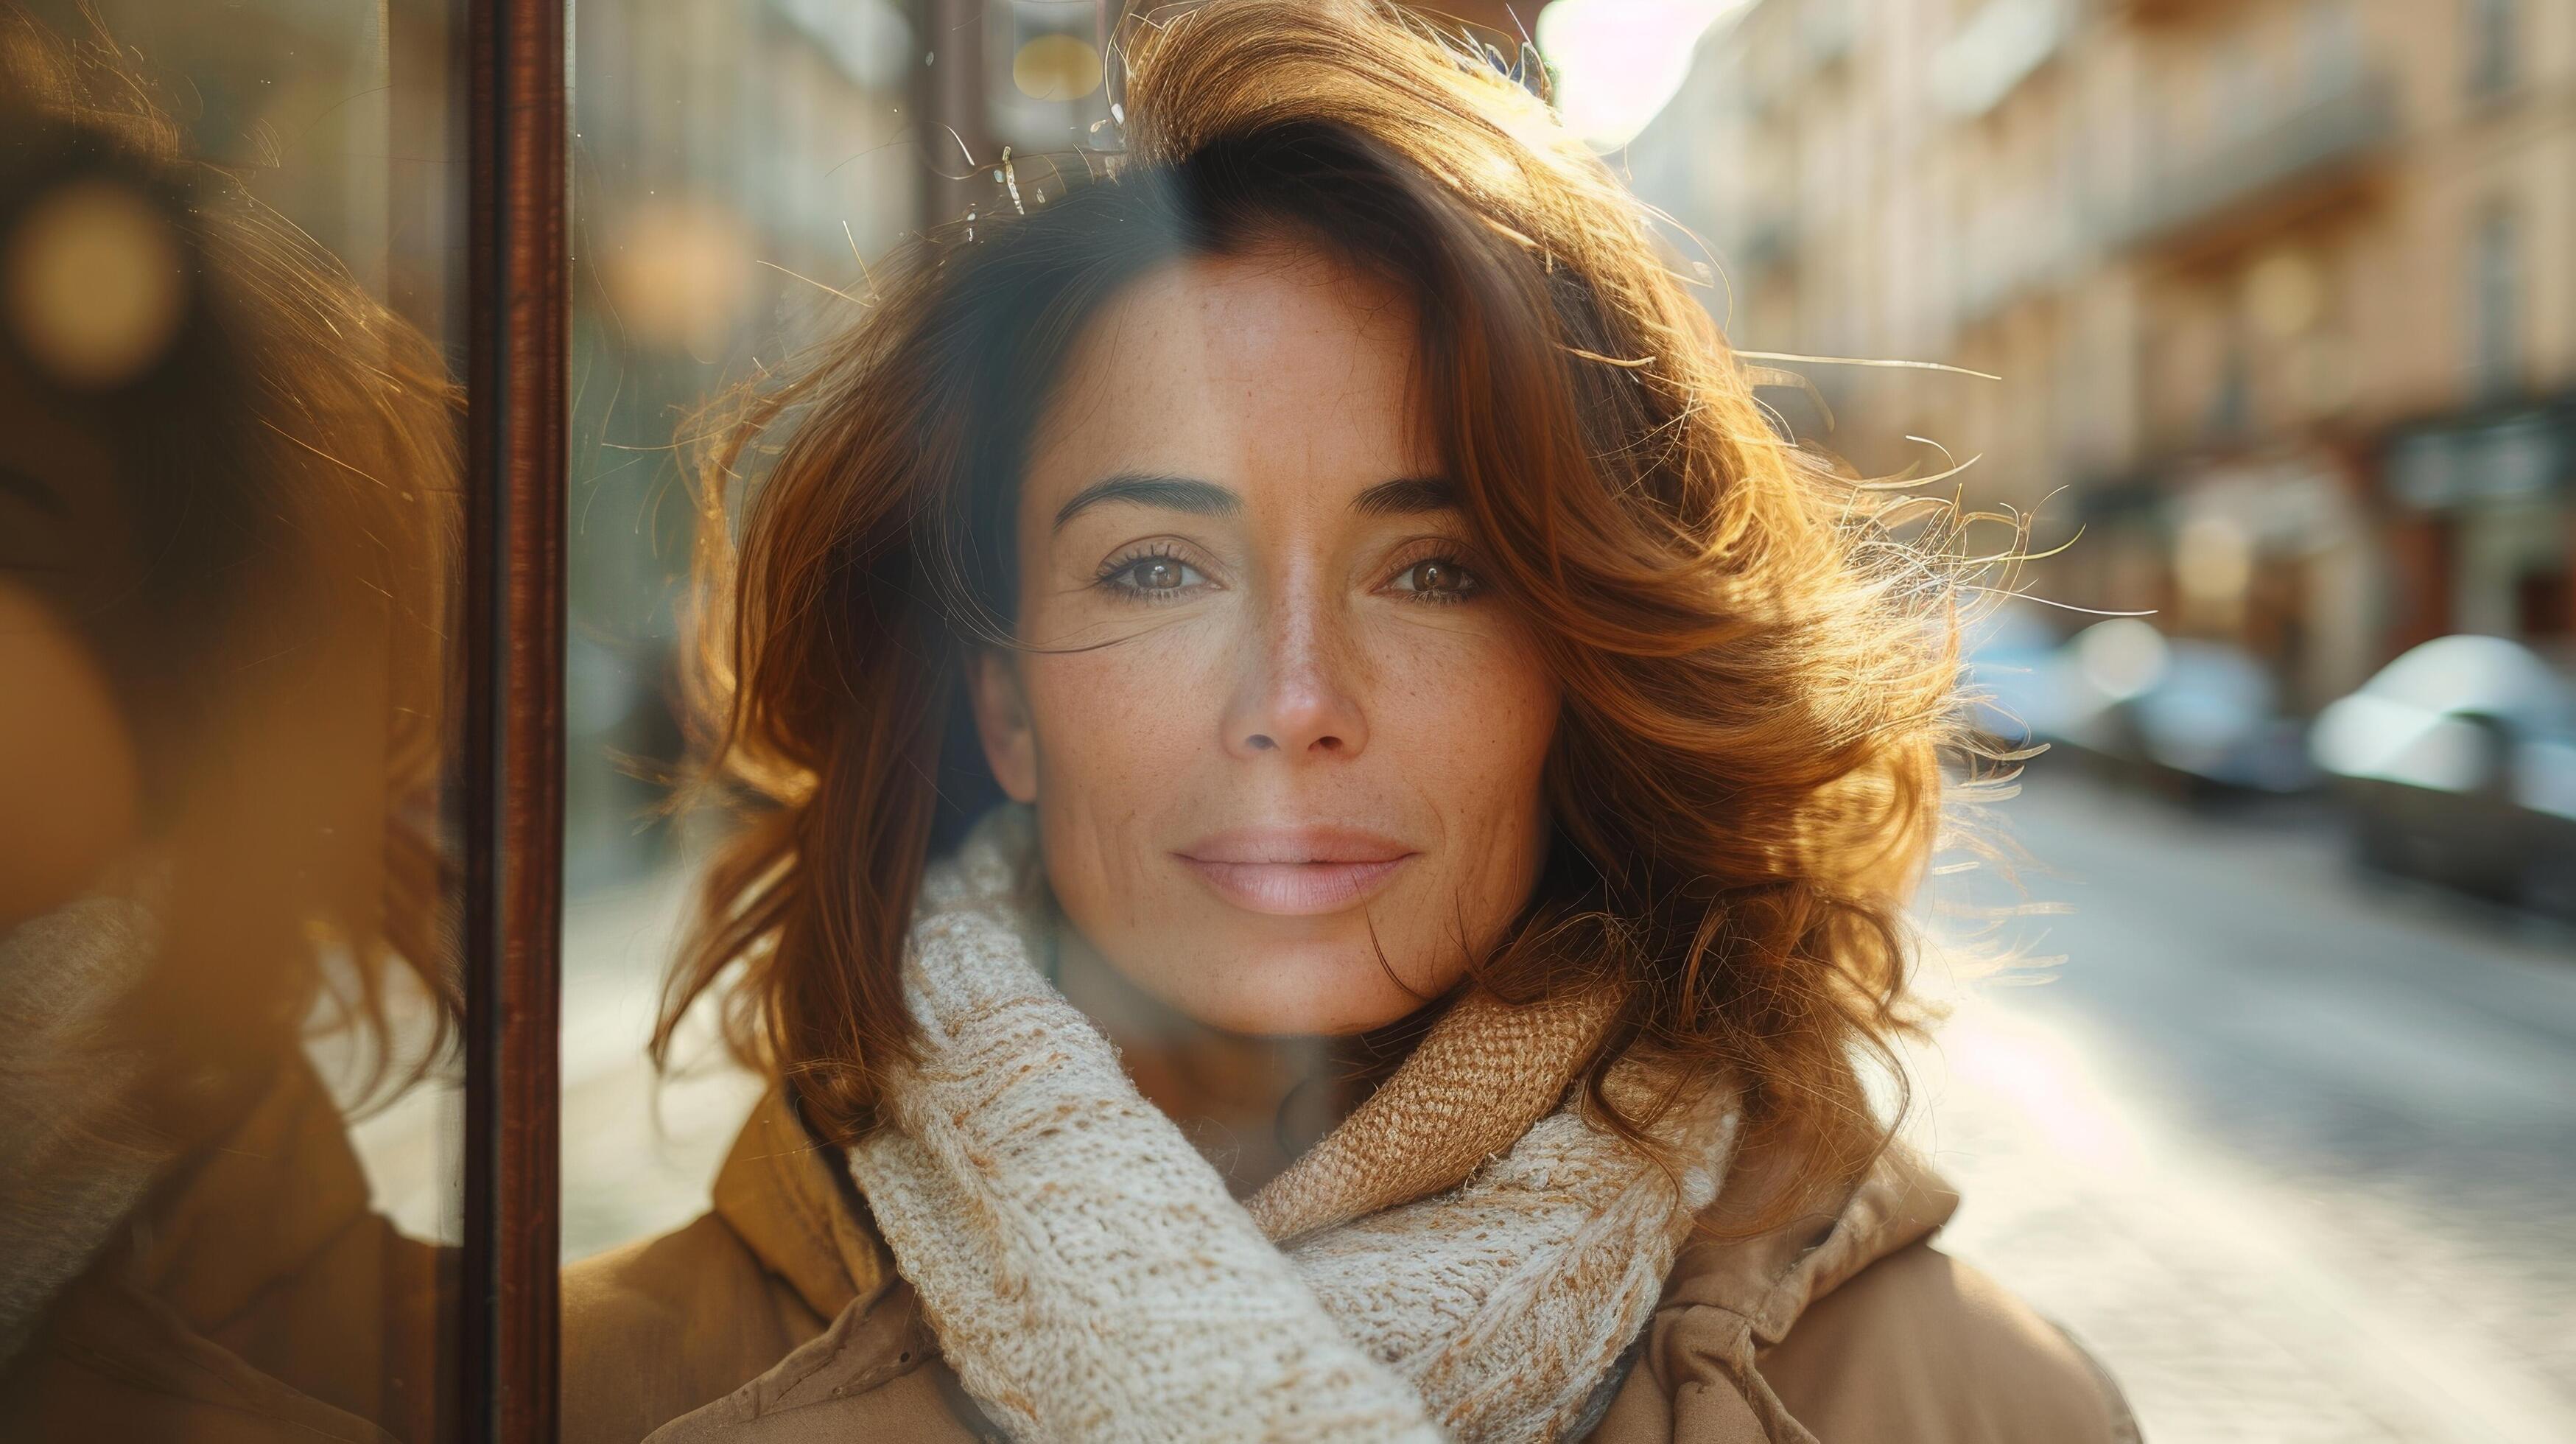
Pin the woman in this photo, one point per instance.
(227, 488)
(1340, 815)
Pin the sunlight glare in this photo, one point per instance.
(1618, 61)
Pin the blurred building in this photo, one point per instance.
(2276, 288)
(736, 165)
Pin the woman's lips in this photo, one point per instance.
(1296, 872)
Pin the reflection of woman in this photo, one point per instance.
(225, 479)
(1455, 779)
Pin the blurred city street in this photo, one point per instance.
(2291, 1147)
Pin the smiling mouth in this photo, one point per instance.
(1296, 873)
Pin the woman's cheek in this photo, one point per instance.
(1113, 720)
(1479, 696)
(67, 762)
(1475, 718)
(1123, 732)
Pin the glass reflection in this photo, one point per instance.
(739, 165)
(228, 530)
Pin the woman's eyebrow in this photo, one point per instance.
(1172, 493)
(1407, 496)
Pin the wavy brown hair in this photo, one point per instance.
(1757, 670)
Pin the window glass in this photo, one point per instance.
(231, 290)
(1054, 431)
(738, 165)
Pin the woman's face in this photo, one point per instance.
(1284, 743)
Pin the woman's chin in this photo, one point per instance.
(1300, 992)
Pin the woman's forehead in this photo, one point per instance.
(1282, 312)
(1273, 367)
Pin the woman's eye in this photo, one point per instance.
(1435, 579)
(1153, 576)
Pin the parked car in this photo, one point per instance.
(2459, 763)
(2181, 711)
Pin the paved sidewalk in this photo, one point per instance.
(2230, 1305)
(2287, 1146)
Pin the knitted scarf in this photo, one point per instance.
(73, 1162)
(1466, 1256)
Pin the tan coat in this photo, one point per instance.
(778, 1317)
(259, 1297)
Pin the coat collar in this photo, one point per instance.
(792, 1203)
(258, 1206)
(1770, 1279)
(784, 1195)
(790, 1199)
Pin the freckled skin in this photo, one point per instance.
(1294, 662)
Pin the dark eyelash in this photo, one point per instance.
(1474, 584)
(1149, 552)
(1122, 563)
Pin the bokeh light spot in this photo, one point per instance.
(1056, 67)
(92, 285)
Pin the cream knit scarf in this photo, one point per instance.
(74, 1158)
(1462, 1258)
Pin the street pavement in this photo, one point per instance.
(2289, 1146)
(2292, 1149)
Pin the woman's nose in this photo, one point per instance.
(1298, 695)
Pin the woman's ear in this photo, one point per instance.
(1002, 723)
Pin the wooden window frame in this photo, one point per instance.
(518, 459)
(517, 462)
